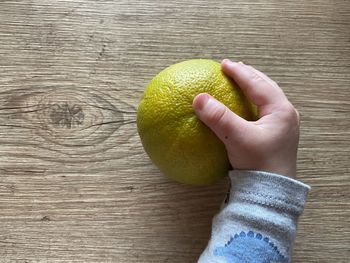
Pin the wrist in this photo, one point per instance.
(288, 170)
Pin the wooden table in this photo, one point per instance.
(75, 182)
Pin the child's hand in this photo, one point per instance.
(268, 144)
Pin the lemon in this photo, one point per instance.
(178, 143)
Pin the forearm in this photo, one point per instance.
(259, 220)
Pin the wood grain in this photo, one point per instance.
(75, 183)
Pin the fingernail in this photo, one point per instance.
(229, 63)
(200, 101)
(224, 61)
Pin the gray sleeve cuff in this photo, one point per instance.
(268, 189)
(258, 223)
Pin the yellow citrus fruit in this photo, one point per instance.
(178, 143)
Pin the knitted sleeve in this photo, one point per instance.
(258, 221)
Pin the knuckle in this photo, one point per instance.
(274, 83)
(250, 67)
(298, 115)
(258, 81)
(217, 117)
(291, 114)
(255, 78)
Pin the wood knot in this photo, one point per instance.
(77, 117)
(45, 218)
(66, 115)
(70, 120)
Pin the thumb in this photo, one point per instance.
(227, 125)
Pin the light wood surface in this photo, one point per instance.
(75, 183)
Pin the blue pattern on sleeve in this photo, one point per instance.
(250, 247)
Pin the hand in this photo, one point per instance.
(269, 144)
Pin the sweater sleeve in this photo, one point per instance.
(258, 220)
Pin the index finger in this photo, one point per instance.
(262, 91)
